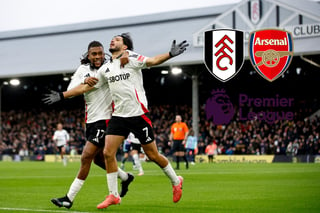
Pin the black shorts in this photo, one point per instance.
(60, 147)
(135, 146)
(140, 126)
(95, 132)
(178, 146)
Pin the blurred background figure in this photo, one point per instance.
(132, 146)
(211, 151)
(61, 138)
(191, 146)
(178, 135)
(135, 152)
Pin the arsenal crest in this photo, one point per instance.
(270, 52)
(223, 53)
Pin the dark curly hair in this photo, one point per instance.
(127, 40)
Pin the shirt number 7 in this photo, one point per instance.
(146, 129)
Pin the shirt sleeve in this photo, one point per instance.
(76, 79)
(195, 142)
(67, 135)
(101, 77)
(186, 129)
(137, 61)
(172, 129)
(54, 137)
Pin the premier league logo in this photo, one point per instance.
(270, 52)
(223, 53)
(219, 107)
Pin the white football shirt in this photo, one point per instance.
(126, 85)
(97, 101)
(61, 137)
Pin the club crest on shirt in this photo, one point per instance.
(223, 53)
(270, 52)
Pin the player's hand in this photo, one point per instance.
(91, 81)
(53, 97)
(178, 49)
(124, 59)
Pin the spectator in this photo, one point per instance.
(24, 151)
(289, 149)
(35, 127)
(211, 151)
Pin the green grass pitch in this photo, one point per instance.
(277, 187)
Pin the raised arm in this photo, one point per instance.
(174, 51)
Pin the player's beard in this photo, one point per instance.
(92, 65)
(112, 50)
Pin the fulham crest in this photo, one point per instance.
(223, 53)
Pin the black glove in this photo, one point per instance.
(53, 97)
(178, 49)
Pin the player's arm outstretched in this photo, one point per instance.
(74, 90)
(174, 51)
(55, 96)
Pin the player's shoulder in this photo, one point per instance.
(134, 55)
(82, 71)
(83, 68)
(104, 68)
(136, 61)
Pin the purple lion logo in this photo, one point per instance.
(219, 107)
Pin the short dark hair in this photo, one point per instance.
(127, 40)
(84, 59)
(94, 44)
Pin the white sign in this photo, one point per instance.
(305, 30)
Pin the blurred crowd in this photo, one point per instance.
(296, 137)
(28, 133)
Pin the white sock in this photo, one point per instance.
(168, 170)
(64, 160)
(137, 162)
(112, 179)
(122, 174)
(75, 188)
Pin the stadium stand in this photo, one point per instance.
(28, 135)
